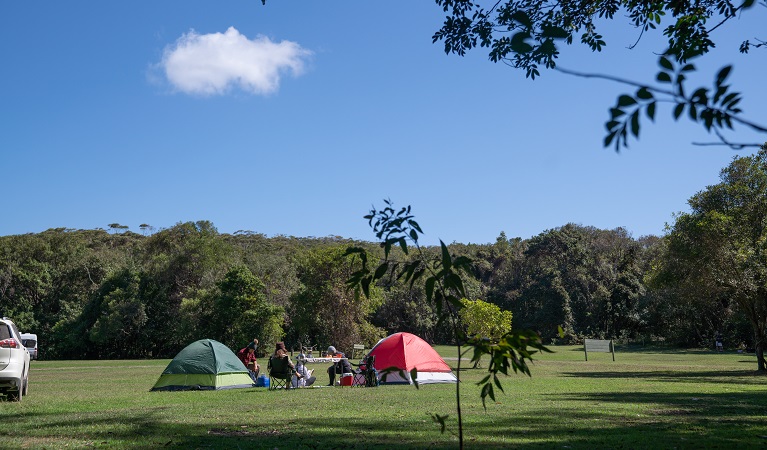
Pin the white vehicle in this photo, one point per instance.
(29, 340)
(14, 362)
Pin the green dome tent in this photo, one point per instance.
(205, 364)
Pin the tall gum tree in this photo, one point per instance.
(721, 245)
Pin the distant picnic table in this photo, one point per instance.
(598, 345)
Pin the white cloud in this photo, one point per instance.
(212, 64)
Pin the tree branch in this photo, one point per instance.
(613, 78)
(752, 125)
(732, 145)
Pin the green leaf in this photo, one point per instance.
(381, 271)
(665, 63)
(430, 288)
(663, 77)
(644, 94)
(651, 111)
(626, 100)
(722, 75)
(416, 275)
(447, 261)
(678, 110)
(487, 391)
(497, 382)
(403, 245)
(700, 96)
(616, 112)
(635, 123)
(456, 283)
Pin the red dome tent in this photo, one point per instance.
(407, 351)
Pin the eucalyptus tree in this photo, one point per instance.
(585, 280)
(719, 249)
(181, 264)
(238, 311)
(324, 311)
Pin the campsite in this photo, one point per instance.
(648, 397)
(452, 194)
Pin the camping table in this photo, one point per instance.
(323, 360)
(355, 380)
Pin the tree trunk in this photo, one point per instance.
(759, 349)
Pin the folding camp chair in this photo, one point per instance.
(366, 375)
(280, 372)
(371, 374)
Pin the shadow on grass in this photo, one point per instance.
(661, 420)
(669, 425)
(268, 432)
(657, 349)
(743, 407)
(735, 377)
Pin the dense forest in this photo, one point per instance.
(93, 294)
(121, 294)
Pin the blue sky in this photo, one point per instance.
(295, 117)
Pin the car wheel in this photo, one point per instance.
(26, 385)
(14, 396)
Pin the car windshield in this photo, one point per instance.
(5, 333)
(30, 343)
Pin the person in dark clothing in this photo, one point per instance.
(248, 357)
(341, 367)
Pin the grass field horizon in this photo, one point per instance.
(647, 398)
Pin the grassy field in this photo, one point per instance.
(645, 399)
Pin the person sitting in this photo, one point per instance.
(280, 352)
(341, 367)
(248, 357)
(303, 376)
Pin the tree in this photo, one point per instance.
(528, 34)
(116, 226)
(239, 311)
(441, 275)
(485, 319)
(120, 316)
(405, 309)
(324, 311)
(719, 249)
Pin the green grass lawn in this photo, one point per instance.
(645, 399)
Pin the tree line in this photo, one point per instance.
(120, 294)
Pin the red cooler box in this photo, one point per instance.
(346, 379)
